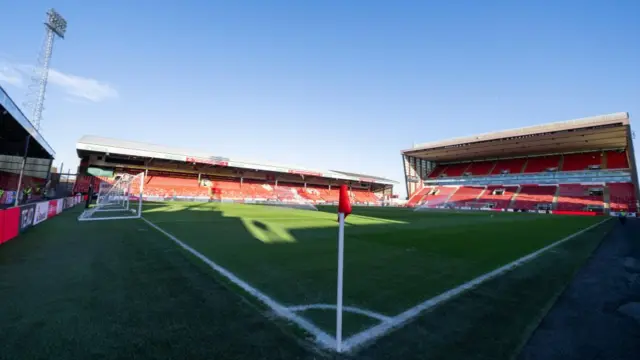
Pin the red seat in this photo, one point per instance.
(530, 196)
(542, 164)
(465, 194)
(508, 166)
(576, 197)
(492, 196)
(416, 198)
(437, 171)
(617, 160)
(480, 168)
(577, 162)
(454, 170)
(622, 197)
(438, 195)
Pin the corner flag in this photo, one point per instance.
(344, 209)
(344, 205)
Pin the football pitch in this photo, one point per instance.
(465, 284)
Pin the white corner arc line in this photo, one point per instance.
(397, 321)
(351, 309)
(322, 337)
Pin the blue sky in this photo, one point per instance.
(325, 84)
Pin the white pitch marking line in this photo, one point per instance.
(397, 321)
(322, 337)
(351, 309)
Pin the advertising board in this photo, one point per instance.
(27, 213)
(41, 212)
(53, 208)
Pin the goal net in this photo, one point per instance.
(120, 199)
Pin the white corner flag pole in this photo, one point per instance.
(340, 270)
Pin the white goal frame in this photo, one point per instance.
(116, 197)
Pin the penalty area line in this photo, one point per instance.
(401, 319)
(321, 337)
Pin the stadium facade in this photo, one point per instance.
(578, 166)
(182, 174)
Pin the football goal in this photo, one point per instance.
(119, 199)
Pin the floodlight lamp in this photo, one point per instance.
(56, 23)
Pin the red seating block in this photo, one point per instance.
(542, 163)
(531, 195)
(414, 200)
(455, 170)
(509, 166)
(480, 168)
(575, 197)
(438, 195)
(465, 194)
(617, 160)
(622, 197)
(577, 162)
(437, 171)
(499, 201)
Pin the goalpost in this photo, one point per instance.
(119, 200)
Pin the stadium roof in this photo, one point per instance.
(98, 144)
(586, 134)
(14, 129)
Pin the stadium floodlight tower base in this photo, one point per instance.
(114, 200)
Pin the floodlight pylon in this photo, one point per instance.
(55, 26)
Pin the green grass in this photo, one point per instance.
(394, 259)
(122, 286)
(117, 290)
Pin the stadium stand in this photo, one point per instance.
(417, 197)
(497, 196)
(24, 151)
(480, 168)
(509, 166)
(437, 171)
(617, 160)
(179, 174)
(582, 166)
(535, 197)
(578, 197)
(455, 170)
(622, 197)
(542, 164)
(465, 195)
(583, 161)
(439, 195)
